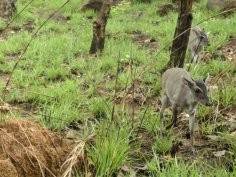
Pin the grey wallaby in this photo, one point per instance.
(181, 92)
(197, 40)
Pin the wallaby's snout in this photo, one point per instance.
(201, 92)
(207, 101)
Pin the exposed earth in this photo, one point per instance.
(27, 149)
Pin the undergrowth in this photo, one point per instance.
(64, 84)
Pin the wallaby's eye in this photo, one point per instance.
(202, 37)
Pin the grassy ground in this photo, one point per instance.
(60, 85)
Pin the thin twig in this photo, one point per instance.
(41, 94)
(132, 81)
(116, 82)
(218, 76)
(133, 90)
(144, 114)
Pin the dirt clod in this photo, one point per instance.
(29, 150)
(7, 168)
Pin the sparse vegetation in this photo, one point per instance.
(59, 84)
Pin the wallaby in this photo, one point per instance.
(183, 93)
(197, 40)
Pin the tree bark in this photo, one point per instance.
(99, 26)
(181, 36)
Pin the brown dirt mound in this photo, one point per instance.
(28, 150)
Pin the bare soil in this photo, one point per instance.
(226, 52)
(145, 41)
(229, 50)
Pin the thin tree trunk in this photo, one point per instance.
(181, 36)
(99, 26)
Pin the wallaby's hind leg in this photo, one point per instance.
(174, 117)
(164, 105)
(197, 62)
(195, 59)
(192, 53)
(191, 128)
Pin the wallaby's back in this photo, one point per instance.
(173, 86)
(193, 39)
(197, 40)
(173, 77)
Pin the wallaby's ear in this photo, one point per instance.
(198, 34)
(208, 33)
(187, 82)
(192, 85)
(198, 90)
(207, 78)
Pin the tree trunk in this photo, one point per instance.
(99, 26)
(181, 36)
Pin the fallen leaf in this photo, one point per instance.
(5, 108)
(213, 137)
(233, 133)
(219, 153)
